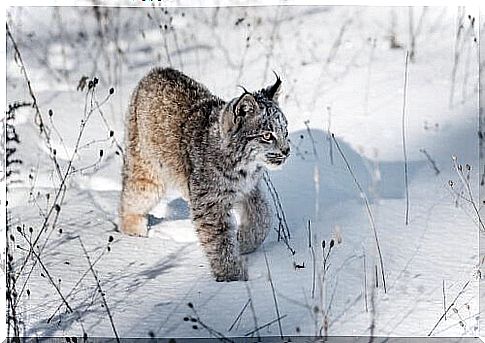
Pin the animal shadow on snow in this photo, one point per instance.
(314, 152)
(314, 156)
(177, 209)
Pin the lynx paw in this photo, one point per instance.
(245, 249)
(234, 271)
(134, 225)
(249, 240)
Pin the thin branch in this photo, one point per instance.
(367, 206)
(272, 42)
(338, 41)
(253, 312)
(449, 307)
(18, 57)
(11, 287)
(444, 299)
(49, 277)
(239, 315)
(466, 182)
(312, 250)
(365, 284)
(56, 205)
(76, 285)
(212, 331)
(280, 213)
(38, 115)
(98, 284)
(403, 128)
(329, 136)
(430, 160)
(278, 204)
(306, 122)
(457, 52)
(265, 325)
(372, 327)
(274, 293)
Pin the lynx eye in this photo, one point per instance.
(267, 136)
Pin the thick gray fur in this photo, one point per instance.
(180, 135)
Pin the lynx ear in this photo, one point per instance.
(273, 92)
(246, 104)
(236, 110)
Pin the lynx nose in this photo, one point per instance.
(286, 150)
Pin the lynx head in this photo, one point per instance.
(257, 129)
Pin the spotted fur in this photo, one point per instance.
(180, 135)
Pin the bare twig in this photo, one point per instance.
(444, 300)
(314, 147)
(39, 121)
(365, 284)
(414, 32)
(10, 285)
(334, 49)
(274, 293)
(367, 206)
(376, 277)
(312, 250)
(211, 330)
(164, 35)
(457, 52)
(403, 128)
(324, 310)
(296, 147)
(373, 42)
(49, 276)
(18, 57)
(111, 132)
(329, 136)
(412, 36)
(449, 307)
(265, 325)
(430, 160)
(372, 327)
(273, 40)
(466, 183)
(59, 196)
(98, 284)
(338, 41)
(283, 228)
(325, 258)
(253, 312)
(239, 315)
(394, 43)
(177, 47)
(76, 285)
(244, 55)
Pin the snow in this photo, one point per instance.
(147, 282)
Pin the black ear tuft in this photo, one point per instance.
(273, 91)
(244, 89)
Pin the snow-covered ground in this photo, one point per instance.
(340, 75)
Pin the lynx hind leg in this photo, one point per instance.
(138, 196)
(255, 221)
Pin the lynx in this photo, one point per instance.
(214, 152)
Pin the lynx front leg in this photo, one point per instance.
(217, 235)
(255, 217)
